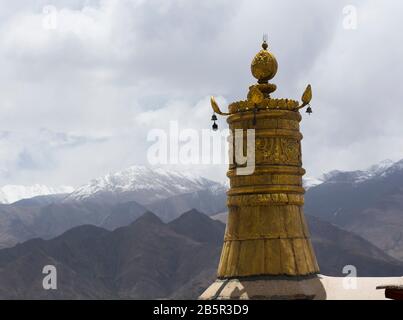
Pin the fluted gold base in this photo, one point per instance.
(267, 240)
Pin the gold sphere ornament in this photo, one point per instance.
(264, 65)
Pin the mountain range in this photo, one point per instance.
(368, 203)
(355, 217)
(356, 176)
(141, 184)
(12, 193)
(150, 259)
(110, 202)
(147, 259)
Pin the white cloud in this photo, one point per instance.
(112, 70)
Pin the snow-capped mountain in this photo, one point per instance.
(382, 169)
(310, 182)
(367, 202)
(13, 193)
(379, 170)
(141, 184)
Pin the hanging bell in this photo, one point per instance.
(215, 126)
(309, 110)
(214, 117)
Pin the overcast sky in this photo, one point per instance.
(79, 94)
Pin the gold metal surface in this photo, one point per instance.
(306, 97)
(255, 95)
(216, 108)
(266, 232)
(264, 65)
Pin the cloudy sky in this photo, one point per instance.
(83, 81)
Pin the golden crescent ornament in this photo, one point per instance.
(307, 96)
(216, 108)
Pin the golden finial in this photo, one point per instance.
(264, 68)
(264, 65)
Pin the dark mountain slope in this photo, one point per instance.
(209, 201)
(368, 204)
(148, 259)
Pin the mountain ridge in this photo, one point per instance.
(12, 193)
(150, 259)
(369, 204)
(146, 259)
(111, 201)
(141, 184)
